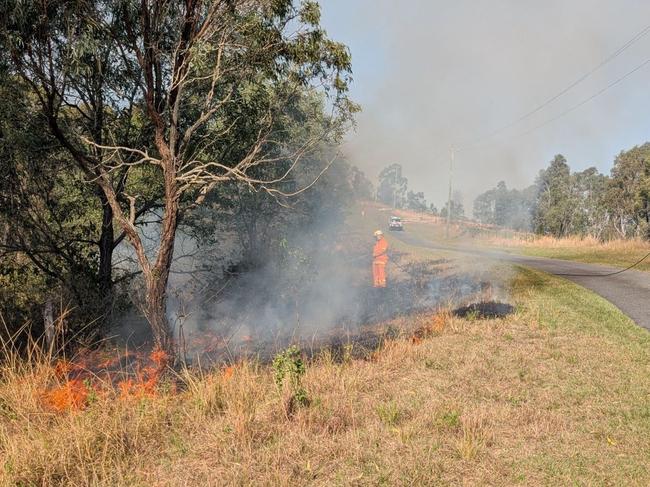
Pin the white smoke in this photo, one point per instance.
(434, 73)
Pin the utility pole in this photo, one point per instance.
(451, 168)
(394, 186)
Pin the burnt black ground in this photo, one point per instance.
(629, 291)
(485, 310)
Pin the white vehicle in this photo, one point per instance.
(395, 224)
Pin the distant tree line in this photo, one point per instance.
(393, 190)
(585, 203)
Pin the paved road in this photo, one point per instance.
(629, 291)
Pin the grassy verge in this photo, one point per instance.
(619, 253)
(555, 394)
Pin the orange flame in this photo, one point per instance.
(159, 357)
(148, 377)
(80, 379)
(228, 372)
(437, 324)
(73, 394)
(62, 368)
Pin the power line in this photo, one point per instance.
(607, 60)
(535, 110)
(586, 100)
(611, 57)
(607, 274)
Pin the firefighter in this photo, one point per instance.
(379, 260)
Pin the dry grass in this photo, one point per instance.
(553, 395)
(545, 241)
(620, 253)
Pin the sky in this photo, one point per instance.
(434, 74)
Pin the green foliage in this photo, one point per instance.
(562, 203)
(92, 397)
(360, 185)
(288, 366)
(51, 221)
(473, 315)
(628, 195)
(553, 208)
(433, 364)
(457, 209)
(112, 118)
(590, 212)
(393, 190)
(310, 12)
(288, 370)
(450, 419)
(416, 202)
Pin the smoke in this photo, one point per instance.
(312, 281)
(429, 74)
(313, 288)
(317, 292)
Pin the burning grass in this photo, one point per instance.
(555, 393)
(76, 384)
(416, 287)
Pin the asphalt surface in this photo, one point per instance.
(629, 291)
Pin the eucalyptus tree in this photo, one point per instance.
(152, 87)
(415, 201)
(261, 219)
(505, 207)
(393, 187)
(60, 76)
(591, 216)
(628, 194)
(553, 208)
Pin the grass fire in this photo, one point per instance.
(236, 245)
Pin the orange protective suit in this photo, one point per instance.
(379, 261)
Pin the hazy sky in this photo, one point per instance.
(430, 74)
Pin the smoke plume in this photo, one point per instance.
(432, 74)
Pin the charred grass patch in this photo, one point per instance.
(484, 310)
(416, 286)
(555, 393)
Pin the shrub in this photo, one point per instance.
(288, 370)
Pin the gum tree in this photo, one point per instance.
(167, 79)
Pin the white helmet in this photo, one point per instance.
(378, 233)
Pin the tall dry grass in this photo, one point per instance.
(587, 242)
(526, 400)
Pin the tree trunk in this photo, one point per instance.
(106, 241)
(156, 312)
(48, 325)
(158, 278)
